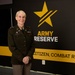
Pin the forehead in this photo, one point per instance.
(20, 13)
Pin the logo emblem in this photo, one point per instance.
(45, 15)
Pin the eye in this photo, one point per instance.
(19, 16)
(23, 17)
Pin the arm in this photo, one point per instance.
(12, 47)
(32, 47)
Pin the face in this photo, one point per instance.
(20, 18)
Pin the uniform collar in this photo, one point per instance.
(18, 29)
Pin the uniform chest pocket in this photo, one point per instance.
(29, 33)
(18, 38)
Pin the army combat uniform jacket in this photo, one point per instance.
(21, 43)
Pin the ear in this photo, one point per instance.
(16, 17)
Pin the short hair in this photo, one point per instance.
(20, 12)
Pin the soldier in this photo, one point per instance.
(21, 44)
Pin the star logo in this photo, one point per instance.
(45, 15)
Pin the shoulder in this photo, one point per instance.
(11, 29)
(28, 28)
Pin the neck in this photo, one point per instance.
(21, 27)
